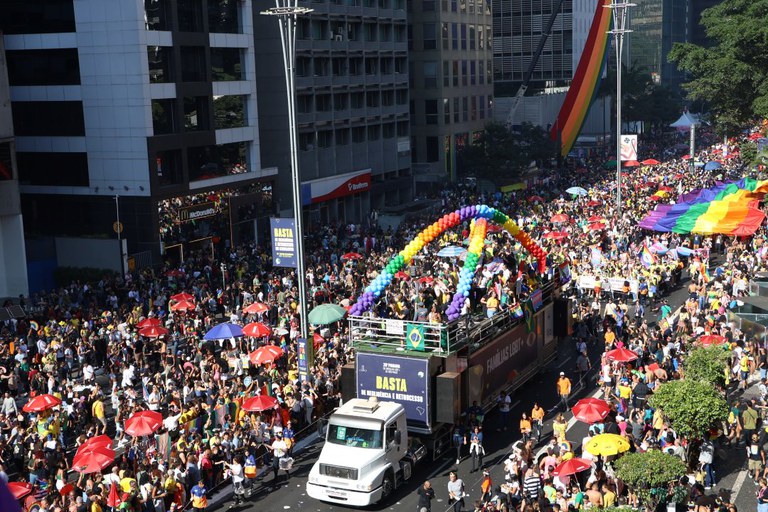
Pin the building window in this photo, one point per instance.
(163, 116)
(433, 149)
(190, 15)
(472, 73)
(430, 74)
(463, 36)
(6, 165)
(324, 103)
(430, 112)
(446, 111)
(472, 36)
(53, 169)
(482, 107)
(214, 161)
(481, 72)
(307, 141)
(48, 118)
(454, 5)
(37, 17)
(465, 109)
(342, 136)
(388, 130)
(464, 73)
(401, 96)
(456, 111)
(226, 64)
(43, 67)
(156, 15)
(325, 138)
(193, 64)
(372, 99)
(374, 132)
(168, 167)
(357, 99)
(480, 37)
(402, 128)
(371, 65)
(429, 36)
(455, 73)
(358, 134)
(224, 16)
(446, 73)
(159, 59)
(340, 101)
(455, 36)
(230, 112)
(195, 113)
(473, 116)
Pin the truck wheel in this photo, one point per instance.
(386, 486)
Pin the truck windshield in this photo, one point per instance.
(353, 436)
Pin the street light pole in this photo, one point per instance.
(287, 11)
(619, 12)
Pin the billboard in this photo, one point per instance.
(305, 357)
(404, 380)
(628, 147)
(283, 242)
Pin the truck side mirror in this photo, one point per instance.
(398, 437)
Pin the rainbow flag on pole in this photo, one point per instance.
(646, 257)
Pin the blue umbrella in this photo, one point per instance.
(451, 251)
(224, 332)
(713, 166)
(576, 191)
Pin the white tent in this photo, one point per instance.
(685, 121)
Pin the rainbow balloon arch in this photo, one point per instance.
(480, 214)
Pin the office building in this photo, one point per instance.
(352, 108)
(450, 47)
(13, 261)
(656, 26)
(142, 109)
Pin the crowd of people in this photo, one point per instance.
(81, 342)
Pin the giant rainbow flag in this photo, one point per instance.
(727, 208)
(585, 81)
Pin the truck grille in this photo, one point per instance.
(338, 472)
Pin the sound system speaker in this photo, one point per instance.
(448, 397)
(348, 382)
(562, 319)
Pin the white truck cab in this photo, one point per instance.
(366, 454)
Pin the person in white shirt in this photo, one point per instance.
(87, 373)
(238, 477)
(9, 405)
(279, 450)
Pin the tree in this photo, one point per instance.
(706, 364)
(692, 406)
(731, 75)
(501, 154)
(650, 474)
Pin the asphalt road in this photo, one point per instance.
(291, 494)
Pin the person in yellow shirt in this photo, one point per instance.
(537, 420)
(609, 497)
(525, 427)
(97, 410)
(564, 390)
(491, 304)
(610, 337)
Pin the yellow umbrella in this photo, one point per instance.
(661, 193)
(607, 444)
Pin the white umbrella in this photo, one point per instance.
(576, 191)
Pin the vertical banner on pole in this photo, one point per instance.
(305, 356)
(628, 147)
(284, 253)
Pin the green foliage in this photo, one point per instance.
(65, 275)
(692, 406)
(706, 364)
(501, 155)
(649, 474)
(749, 153)
(731, 75)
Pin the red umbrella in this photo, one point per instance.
(93, 460)
(184, 305)
(712, 339)
(654, 197)
(257, 330)
(426, 280)
(114, 500)
(143, 423)
(41, 403)
(19, 489)
(317, 339)
(68, 488)
(686, 157)
(260, 403)
(352, 256)
(102, 440)
(755, 136)
(596, 226)
(594, 203)
(650, 161)
(666, 189)
(265, 355)
(631, 163)
(572, 466)
(560, 217)
(149, 322)
(256, 307)
(183, 296)
(402, 275)
(153, 332)
(591, 410)
(621, 355)
(533, 199)
(596, 218)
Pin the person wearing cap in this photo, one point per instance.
(564, 390)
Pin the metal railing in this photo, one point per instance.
(473, 330)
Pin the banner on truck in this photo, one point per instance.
(404, 380)
(608, 284)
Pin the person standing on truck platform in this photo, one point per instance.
(455, 492)
(426, 495)
(505, 404)
(459, 440)
(476, 448)
(564, 389)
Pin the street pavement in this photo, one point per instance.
(290, 494)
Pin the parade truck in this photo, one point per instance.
(429, 375)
